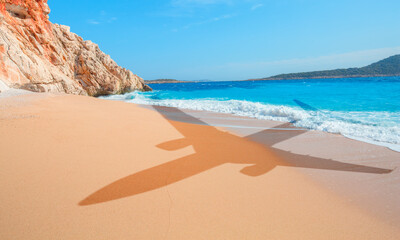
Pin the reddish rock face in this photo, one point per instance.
(40, 56)
(38, 10)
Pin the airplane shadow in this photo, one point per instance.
(214, 149)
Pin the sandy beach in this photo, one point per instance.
(75, 167)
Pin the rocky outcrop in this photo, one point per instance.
(40, 56)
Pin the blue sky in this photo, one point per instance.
(234, 39)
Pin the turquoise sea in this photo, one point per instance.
(366, 109)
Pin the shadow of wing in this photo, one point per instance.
(151, 179)
(273, 136)
(305, 106)
(270, 137)
(304, 161)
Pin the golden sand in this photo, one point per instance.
(75, 167)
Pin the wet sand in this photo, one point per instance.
(76, 167)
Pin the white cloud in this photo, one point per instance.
(208, 21)
(93, 22)
(254, 7)
(199, 2)
(226, 16)
(112, 19)
(193, 8)
(101, 18)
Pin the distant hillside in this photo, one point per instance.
(165, 81)
(387, 67)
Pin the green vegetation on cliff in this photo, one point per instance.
(387, 67)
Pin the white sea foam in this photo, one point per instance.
(380, 128)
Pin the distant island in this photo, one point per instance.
(387, 67)
(157, 81)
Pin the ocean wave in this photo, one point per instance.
(379, 127)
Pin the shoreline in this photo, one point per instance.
(187, 106)
(84, 168)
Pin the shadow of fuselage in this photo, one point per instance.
(214, 148)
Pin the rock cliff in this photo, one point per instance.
(40, 56)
